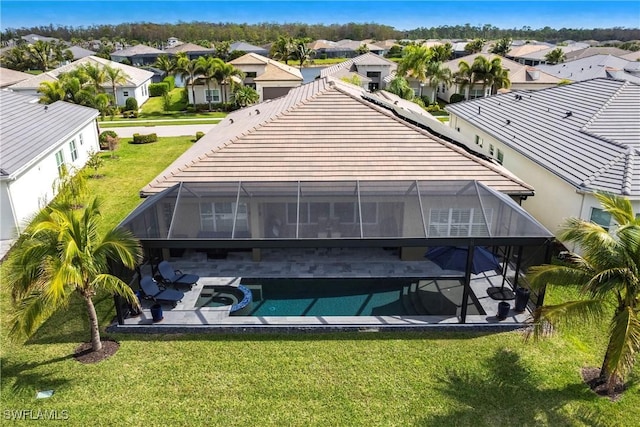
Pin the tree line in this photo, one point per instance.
(154, 33)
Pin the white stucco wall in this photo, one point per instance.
(32, 187)
(140, 93)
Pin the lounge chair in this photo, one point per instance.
(170, 276)
(151, 290)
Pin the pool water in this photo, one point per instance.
(354, 297)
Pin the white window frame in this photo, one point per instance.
(220, 215)
(448, 221)
(73, 150)
(600, 211)
(60, 162)
(213, 93)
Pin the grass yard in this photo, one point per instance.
(176, 122)
(351, 379)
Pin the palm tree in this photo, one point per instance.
(607, 273)
(438, 74)
(442, 52)
(224, 77)
(502, 46)
(115, 76)
(302, 53)
(96, 75)
(16, 58)
(400, 86)
(166, 64)
(463, 77)
(189, 72)
(474, 46)
(51, 92)
(556, 56)
(283, 49)
(209, 69)
(245, 95)
(414, 62)
(62, 253)
(40, 53)
(488, 72)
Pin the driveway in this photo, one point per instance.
(174, 130)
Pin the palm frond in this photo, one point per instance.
(114, 285)
(568, 314)
(620, 208)
(29, 313)
(624, 344)
(561, 275)
(592, 238)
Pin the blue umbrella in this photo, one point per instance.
(455, 258)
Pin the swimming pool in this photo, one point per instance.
(357, 297)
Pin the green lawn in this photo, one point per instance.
(350, 379)
(176, 122)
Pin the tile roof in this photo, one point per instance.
(518, 73)
(135, 76)
(188, 47)
(274, 70)
(80, 52)
(587, 133)
(352, 64)
(327, 130)
(29, 130)
(246, 47)
(595, 50)
(9, 77)
(139, 49)
(591, 67)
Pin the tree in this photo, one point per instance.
(474, 46)
(489, 72)
(224, 76)
(63, 253)
(362, 49)
(354, 80)
(463, 77)
(189, 72)
(222, 49)
(166, 64)
(502, 46)
(51, 92)
(414, 62)
(96, 75)
(302, 53)
(438, 74)
(400, 86)
(40, 53)
(209, 69)
(442, 52)
(16, 58)
(555, 56)
(283, 48)
(245, 95)
(608, 272)
(115, 76)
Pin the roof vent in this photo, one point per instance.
(568, 114)
(257, 111)
(478, 109)
(46, 107)
(508, 121)
(231, 121)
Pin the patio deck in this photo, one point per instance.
(312, 263)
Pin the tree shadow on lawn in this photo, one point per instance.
(71, 325)
(506, 393)
(24, 380)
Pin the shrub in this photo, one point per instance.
(433, 108)
(102, 139)
(456, 97)
(171, 81)
(144, 139)
(158, 89)
(199, 135)
(131, 104)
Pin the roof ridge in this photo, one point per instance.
(596, 115)
(628, 172)
(605, 167)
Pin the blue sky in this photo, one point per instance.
(402, 15)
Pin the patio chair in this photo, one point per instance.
(152, 291)
(170, 276)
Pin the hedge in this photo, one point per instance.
(171, 81)
(144, 139)
(158, 89)
(199, 135)
(102, 139)
(131, 104)
(456, 97)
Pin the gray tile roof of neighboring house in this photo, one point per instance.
(247, 48)
(274, 70)
(32, 38)
(591, 67)
(352, 64)
(9, 77)
(590, 51)
(632, 56)
(541, 54)
(587, 133)
(30, 130)
(80, 52)
(139, 49)
(134, 76)
(327, 130)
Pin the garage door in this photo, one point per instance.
(274, 92)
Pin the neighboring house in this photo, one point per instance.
(590, 51)
(519, 52)
(330, 49)
(10, 77)
(138, 55)
(567, 141)
(193, 51)
(539, 57)
(249, 48)
(354, 45)
(32, 38)
(371, 68)
(270, 78)
(136, 84)
(522, 77)
(36, 143)
(172, 42)
(80, 52)
(595, 66)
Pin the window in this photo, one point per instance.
(475, 93)
(373, 74)
(251, 74)
(74, 151)
(479, 141)
(459, 222)
(491, 149)
(601, 218)
(212, 95)
(60, 162)
(500, 156)
(81, 139)
(343, 212)
(125, 93)
(218, 217)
